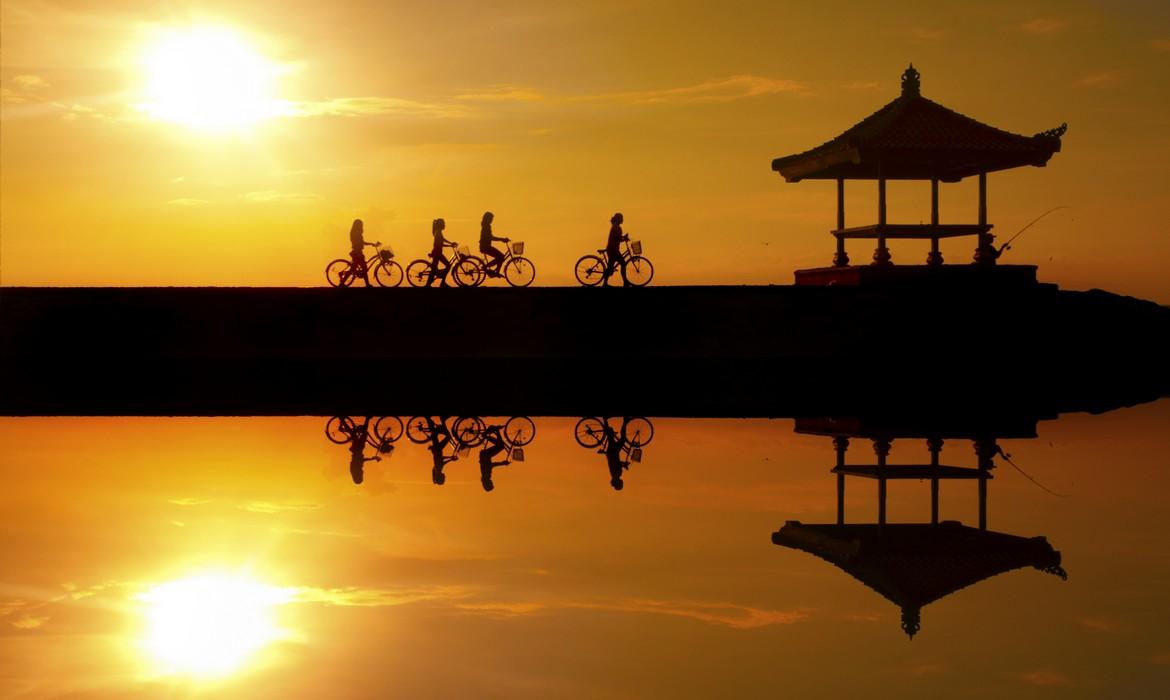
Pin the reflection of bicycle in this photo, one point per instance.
(590, 269)
(515, 268)
(636, 431)
(387, 273)
(343, 429)
(466, 268)
(518, 431)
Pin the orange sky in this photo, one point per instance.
(556, 585)
(555, 115)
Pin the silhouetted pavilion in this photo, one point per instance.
(915, 564)
(913, 138)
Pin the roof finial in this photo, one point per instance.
(910, 84)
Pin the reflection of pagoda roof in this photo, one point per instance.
(913, 565)
(965, 427)
(913, 138)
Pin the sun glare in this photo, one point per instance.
(209, 625)
(208, 78)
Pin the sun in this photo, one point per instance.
(207, 77)
(210, 625)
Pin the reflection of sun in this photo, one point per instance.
(207, 77)
(209, 625)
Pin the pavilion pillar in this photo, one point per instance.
(881, 256)
(935, 447)
(985, 451)
(935, 257)
(881, 448)
(984, 251)
(840, 444)
(840, 259)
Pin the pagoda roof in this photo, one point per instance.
(914, 138)
(913, 565)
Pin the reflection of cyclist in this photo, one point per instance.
(612, 447)
(613, 250)
(440, 438)
(357, 451)
(439, 265)
(357, 245)
(493, 445)
(495, 257)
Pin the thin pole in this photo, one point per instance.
(841, 259)
(935, 257)
(881, 256)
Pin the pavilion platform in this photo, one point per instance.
(973, 276)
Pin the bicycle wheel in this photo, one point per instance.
(519, 430)
(638, 431)
(337, 273)
(469, 272)
(418, 429)
(418, 273)
(339, 430)
(590, 432)
(388, 428)
(639, 271)
(519, 272)
(388, 274)
(468, 430)
(589, 270)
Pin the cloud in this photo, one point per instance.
(736, 87)
(1098, 79)
(1160, 44)
(1045, 678)
(377, 597)
(30, 622)
(502, 93)
(1162, 659)
(1043, 25)
(31, 82)
(188, 501)
(188, 202)
(268, 506)
(372, 106)
(501, 610)
(725, 614)
(927, 34)
(1098, 624)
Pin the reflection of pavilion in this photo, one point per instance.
(915, 564)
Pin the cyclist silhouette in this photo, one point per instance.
(439, 266)
(357, 451)
(495, 257)
(440, 438)
(356, 245)
(613, 251)
(612, 447)
(493, 445)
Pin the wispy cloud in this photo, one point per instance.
(377, 597)
(30, 622)
(1162, 659)
(188, 202)
(1162, 44)
(725, 614)
(1045, 678)
(269, 506)
(502, 93)
(926, 34)
(501, 610)
(372, 106)
(1097, 79)
(1098, 624)
(736, 87)
(1043, 25)
(31, 82)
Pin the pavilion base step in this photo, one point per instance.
(925, 275)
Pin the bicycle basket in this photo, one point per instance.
(385, 254)
(517, 247)
(464, 251)
(517, 454)
(636, 247)
(636, 454)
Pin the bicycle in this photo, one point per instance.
(467, 268)
(590, 269)
(518, 431)
(516, 269)
(636, 431)
(343, 429)
(387, 272)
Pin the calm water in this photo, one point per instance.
(236, 557)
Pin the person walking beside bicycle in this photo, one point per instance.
(493, 445)
(439, 265)
(495, 257)
(357, 244)
(613, 252)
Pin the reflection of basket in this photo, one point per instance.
(464, 251)
(636, 454)
(517, 247)
(517, 454)
(385, 254)
(636, 247)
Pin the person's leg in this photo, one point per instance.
(625, 280)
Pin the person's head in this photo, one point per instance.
(487, 484)
(358, 475)
(438, 477)
(356, 228)
(488, 217)
(617, 483)
(438, 225)
(617, 218)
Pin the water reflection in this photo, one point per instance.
(357, 433)
(915, 564)
(621, 446)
